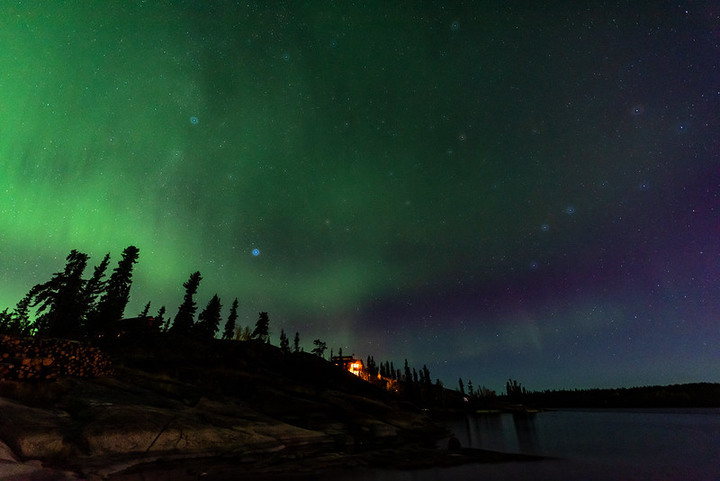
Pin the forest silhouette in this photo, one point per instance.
(70, 306)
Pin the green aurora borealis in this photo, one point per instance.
(493, 191)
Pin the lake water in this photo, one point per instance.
(590, 445)
(635, 445)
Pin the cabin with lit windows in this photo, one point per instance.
(357, 367)
(349, 363)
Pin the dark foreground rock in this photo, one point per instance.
(178, 411)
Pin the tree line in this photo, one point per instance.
(72, 306)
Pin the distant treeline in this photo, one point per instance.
(676, 395)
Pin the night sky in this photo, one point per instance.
(494, 190)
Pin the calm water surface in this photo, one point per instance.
(592, 445)
(652, 445)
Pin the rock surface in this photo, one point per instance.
(236, 403)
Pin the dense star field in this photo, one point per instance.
(495, 191)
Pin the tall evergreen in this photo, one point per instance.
(209, 319)
(185, 317)
(160, 319)
(262, 328)
(112, 304)
(296, 342)
(18, 322)
(145, 310)
(284, 343)
(229, 331)
(94, 287)
(426, 374)
(60, 300)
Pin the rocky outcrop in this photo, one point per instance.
(105, 425)
(244, 402)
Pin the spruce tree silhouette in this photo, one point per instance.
(182, 325)
(94, 287)
(160, 319)
(262, 328)
(145, 310)
(296, 342)
(229, 331)
(284, 342)
(209, 319)
(60, 300)
(18, 322)
(426, 374)
(111, 307)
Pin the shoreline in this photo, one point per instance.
(292, 467)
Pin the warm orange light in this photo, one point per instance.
(356, 368)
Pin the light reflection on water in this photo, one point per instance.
(598, 444)
(594, 445)
(588, 445)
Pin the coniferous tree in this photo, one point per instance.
(372, 366)
(471, 393)
(296, 342)
(60, 299)
(320, 348)
(284, 343)
(160, 319)
(111, 306)
(145, 310)
(408, 373)
(230, 324)
(95, 286)
(426, 374)
(415, 376)
(262, 328)
(182, 325)
(209, 319)
(18, 322)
